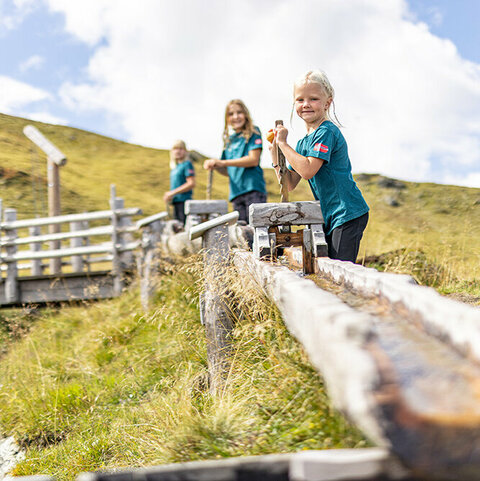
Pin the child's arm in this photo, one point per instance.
(306, 167)
(188, 185)
(211, 164)
(250, 160)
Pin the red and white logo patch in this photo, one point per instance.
(320, 148)
(258, 141)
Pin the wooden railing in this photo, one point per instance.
(95, 260)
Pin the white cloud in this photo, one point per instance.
(31, 63)
(45, 117)
(410, 104)
(15, 95)
(470, 180)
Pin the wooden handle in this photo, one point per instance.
(209, 184)
(283, 170)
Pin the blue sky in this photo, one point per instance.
(406, 73)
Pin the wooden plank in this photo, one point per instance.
(89, 216)
(151, 219)
(285, 213)
(203, 207)
(94, 231)
(405, 389)
(65, 252)
(200, 229)
(68, 287)
(53, 153)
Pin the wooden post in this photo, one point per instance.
(218, 324)
(77, 261)
(151, 236)
(116, 264)
(37, 268)
(11, 285)
(55, 159)
(54, 210)
(126, 257)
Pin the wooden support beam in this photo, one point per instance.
(285, 213)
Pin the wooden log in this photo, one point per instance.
(53, 153)
(37, 267)
(151, 219)
(205, 227)
(285, 213)
(367, 464)
(406, 390)
(11, 286)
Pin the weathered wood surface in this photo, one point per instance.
(405, 389)
(53, 153)
(201, 207)
(89, 216)
(216, 317)
(452, 322)
(371, 464)
(200, 229)
(285, 213)
(68, 287)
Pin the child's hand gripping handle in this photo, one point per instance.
(282, 171)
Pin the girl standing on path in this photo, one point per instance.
(182, 180)
(242, 146)
(321, 157)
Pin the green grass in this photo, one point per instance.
(100, 386)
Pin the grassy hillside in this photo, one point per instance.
(103, 385)
(438, 221)
(94, 162)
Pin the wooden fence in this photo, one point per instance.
(92, 266)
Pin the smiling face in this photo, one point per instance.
(311, 104)
(236, 117)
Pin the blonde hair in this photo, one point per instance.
(247, 130)
(177, 144)
(320, 78)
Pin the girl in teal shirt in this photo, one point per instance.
(182, 180)
(322, 158)
(240, 159)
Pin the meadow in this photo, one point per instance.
(103, 385)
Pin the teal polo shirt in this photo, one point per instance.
(244, 179)
(178, 177)
(333, 184)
